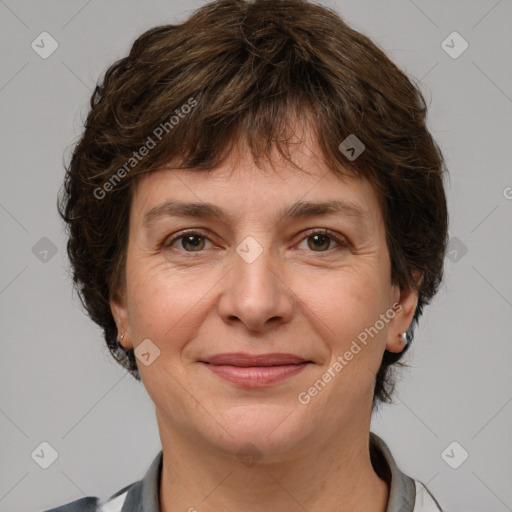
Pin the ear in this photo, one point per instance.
(119, 311)
(404, 304)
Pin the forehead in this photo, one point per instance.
(240, 187)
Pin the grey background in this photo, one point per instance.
(58, 381)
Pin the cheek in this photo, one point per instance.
(347, 314)
(163, 306)
(351, 302)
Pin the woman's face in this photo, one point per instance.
(248, 311)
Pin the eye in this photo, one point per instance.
(191, 241)
(321, 240)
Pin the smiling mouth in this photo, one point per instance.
(254, 371)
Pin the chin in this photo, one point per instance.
(269, 430)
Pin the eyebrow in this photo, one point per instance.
(300, 209)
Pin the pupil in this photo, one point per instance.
(190, 240)
(319, 238)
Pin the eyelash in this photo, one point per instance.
(342, 244)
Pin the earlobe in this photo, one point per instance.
(120, 314)
(405, 308)
(397, 345)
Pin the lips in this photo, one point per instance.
(247, 370)
(245, 360)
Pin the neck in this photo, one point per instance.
(331, 475)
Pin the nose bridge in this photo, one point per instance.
(254, 273)
(254, 293)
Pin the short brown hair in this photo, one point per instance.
(248, 67)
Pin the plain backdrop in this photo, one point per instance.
(59, 385)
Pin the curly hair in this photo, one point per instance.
(242, 69)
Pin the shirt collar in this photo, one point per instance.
(402, 489)
(144, 494)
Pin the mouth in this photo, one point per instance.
(252, 371)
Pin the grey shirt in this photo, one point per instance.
(406, 494)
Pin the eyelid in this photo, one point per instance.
(168, 241)
(340, 240)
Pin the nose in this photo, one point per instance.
(255, 292)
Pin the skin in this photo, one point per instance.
(296, 297)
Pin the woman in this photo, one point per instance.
(256, 219)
